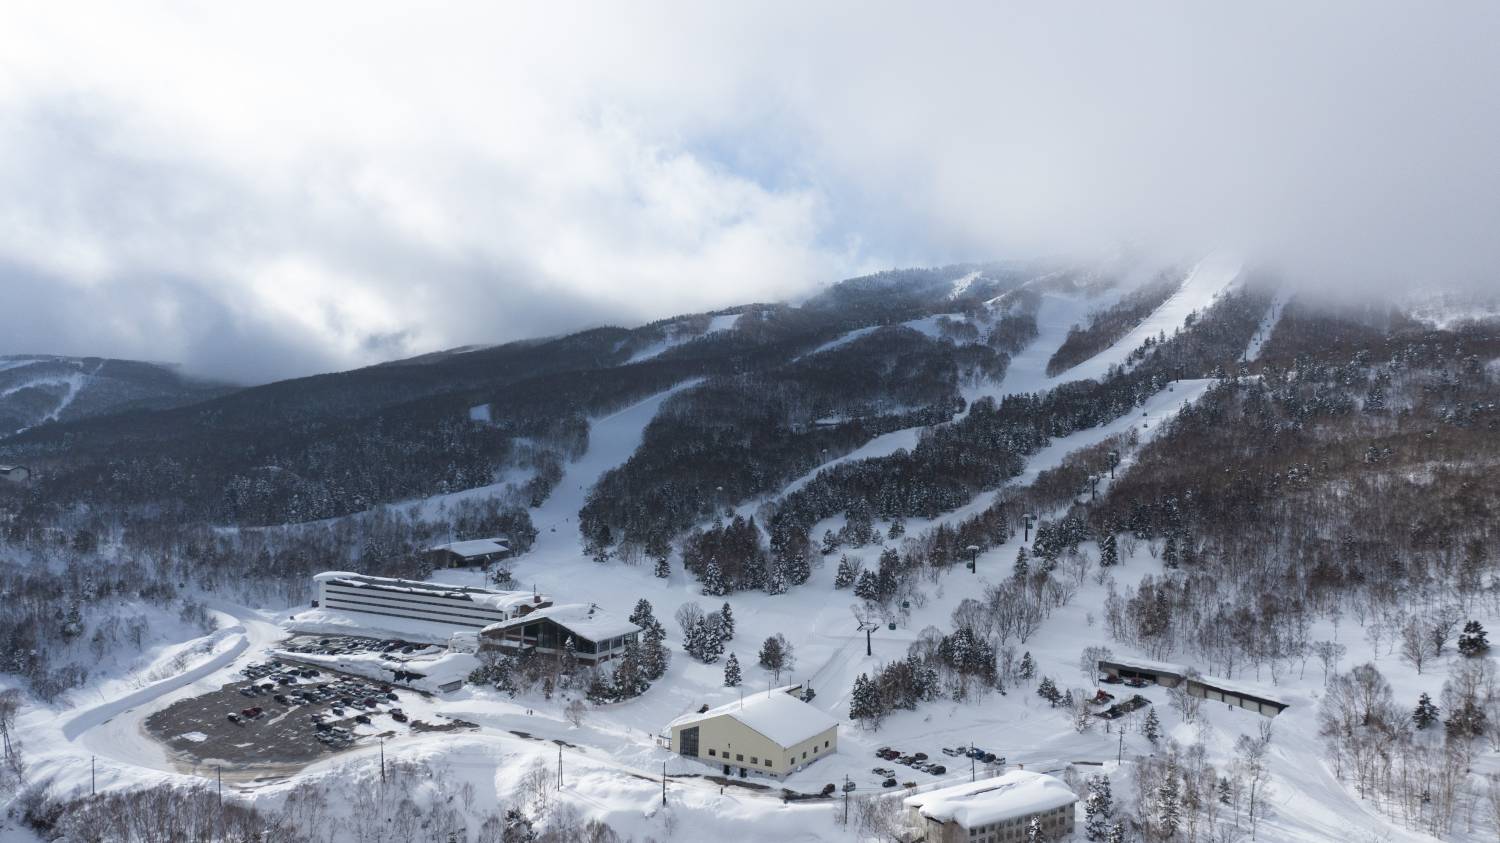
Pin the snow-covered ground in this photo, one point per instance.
(613, 761)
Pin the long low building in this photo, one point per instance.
(1169, 675)
(770, 732)
(997, 810)
(457, 607)
(598, 636)
(461, 554)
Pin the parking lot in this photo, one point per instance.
(346, 645)
(280, 713)
(902, 768)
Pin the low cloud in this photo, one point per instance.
(293, 189)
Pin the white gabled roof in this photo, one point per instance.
(582, 619)
(475, 547)
(1014, 794)
(776, 713)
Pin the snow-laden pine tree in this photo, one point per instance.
(1023, 565)
(1098, 809)
(1028, 667)
(1034, 833)
(798, 569)
(1167, 802)
(1109, 551)
(1426, 713)
(864, 702)
(847, 572)
(1473, 641)
(726, 623)
(731, 672)
(654, 654)
(777, 582)
(1152, 727)
(714, 583)
(663, 568)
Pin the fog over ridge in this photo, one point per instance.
(268, 193)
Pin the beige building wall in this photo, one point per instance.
(725, 740)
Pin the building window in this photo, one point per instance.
(768, 762)
(710, 753)
(754, 760)
(804, 755)
(825, 744)
(739, 757)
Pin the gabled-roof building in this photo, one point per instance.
(471, 552)
(598, 636)
(996, 810)
(770, 732)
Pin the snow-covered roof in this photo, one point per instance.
(501, 600)
(1017, 793)
(475, 547)
(776, 713)
(582, 619)
(1148, 665)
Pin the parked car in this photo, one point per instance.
(936, 769)
(361, 718)
(1109, 679)
(848, 786)
(398, 716)
(888, 783)
(1136, 682)
(953, 752)
(234, 718)
(920, 756)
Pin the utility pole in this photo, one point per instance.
(219, 773)
(663, 780)
(1026, 519)
(93, 789)
(846, 800)
(1120, 754)
(973, 768)
(559, 767)
(382, 759)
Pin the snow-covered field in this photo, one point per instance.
(613, 761)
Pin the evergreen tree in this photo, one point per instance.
(897, 530)
(569, 656)
(1473, 641)
(1109, 552)
(726, 623)
(1027, 670)
(642, 615)
(714, 583)
(1048, 691)
(1226, 791)
(1152, 727)
(731, 671)
(798, 569)
(1098, 809)
(1023, 567)
(867, 587)
(777, 583)
(1116, 834)
(1169, 558)
(713, 642)
(830, 542)
(1426, 712)
(1034, 832)
(1168, 802)
(847, 573)
(654, 654)
(663, 568)
(864, 702)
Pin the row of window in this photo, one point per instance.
(753, 759)
(1013, 828)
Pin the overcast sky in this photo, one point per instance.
(263, 190)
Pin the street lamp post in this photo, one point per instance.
(973, 558)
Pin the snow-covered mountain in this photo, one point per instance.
(35, 389)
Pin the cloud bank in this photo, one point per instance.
(292, 188)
